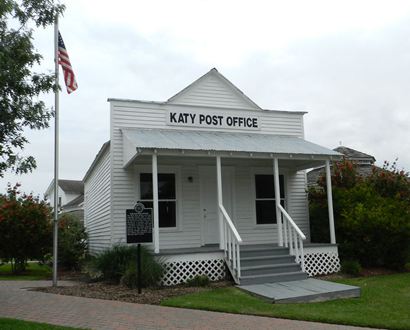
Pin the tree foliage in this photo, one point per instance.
(372, 214)
(20, 86)
(25, 228)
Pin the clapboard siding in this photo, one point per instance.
(126, 114)
(210, 93)
(298, 206)
(97, 205)
(211, 90)
(148, 115)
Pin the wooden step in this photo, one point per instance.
(264, 260)
(272, 278)
(258, 251)
(270, 269)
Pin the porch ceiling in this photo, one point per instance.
(197, 143)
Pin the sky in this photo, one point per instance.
(347, 63)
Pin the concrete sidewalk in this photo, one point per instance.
(16, 302)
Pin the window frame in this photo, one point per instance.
(266, 171)
(176, 170)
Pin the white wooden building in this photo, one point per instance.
(217, 161)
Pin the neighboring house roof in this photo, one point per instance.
(76, 202)
(353, 155)
(72, 186)
(68, 186)
(364, 164)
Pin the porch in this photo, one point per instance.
(233, 224)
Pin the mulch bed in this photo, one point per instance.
(152, 296)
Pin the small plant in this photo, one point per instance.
(118, 264)
(351, 267)
(198, 280)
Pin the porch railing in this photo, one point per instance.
(293, 237)
(232, 241)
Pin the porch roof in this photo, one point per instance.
(230, 142)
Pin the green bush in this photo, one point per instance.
(117, 265)
(72, 242)
(372, 216)
(351, 267)
(198, 280)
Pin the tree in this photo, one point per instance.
(20, 86)
(25, 228)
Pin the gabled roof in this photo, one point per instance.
(68, 186)
(76, 202)
(72, 186)
(352, 154)
(213, 89)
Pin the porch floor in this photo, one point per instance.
(209, 248)
(215, 248)
(309, 290)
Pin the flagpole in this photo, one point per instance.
(56, 155)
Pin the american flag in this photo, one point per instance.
(64, 60)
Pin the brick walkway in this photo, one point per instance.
(15, 302)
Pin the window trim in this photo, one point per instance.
(266, 171)
(176, 170)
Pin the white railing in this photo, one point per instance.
(292, 236)
(232, 241)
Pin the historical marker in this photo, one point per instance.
(139, 224)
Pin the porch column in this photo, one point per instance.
(219, 193)
(155, 201)
(330, 204)
(277, 199)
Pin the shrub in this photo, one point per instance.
(351, 267)
(130, 277)
(198, 280)
(117, 264)
(72, 242)
(372, 216)
(25, 228)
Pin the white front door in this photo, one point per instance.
(209, 201)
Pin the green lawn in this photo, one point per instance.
(34, 271)
(384, 303)
(12, 324)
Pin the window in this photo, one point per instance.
(166, 197)
(265, 198)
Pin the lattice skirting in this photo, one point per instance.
(321, 260)
(179, 269)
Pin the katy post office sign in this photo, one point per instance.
(212, 120)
